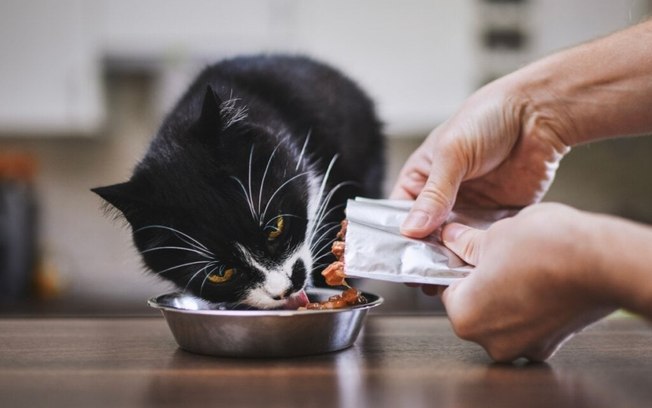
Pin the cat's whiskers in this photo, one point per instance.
(279, 189)
(201, 288)
(202, 248)
(198, 244)
(329, 212)
(238, 304)
(322, 256)
(247, 198)
(321, 238)
(322, 265)
(320, 195)
(314, 219)
(176, 248)
(181, 266)
(262, 182)
(325, 225)
(325, 180)
(326, 214)
(271, 220)
(194, 245)
(249, 202)
(208, 265)
(321, 214)
(328, 225)
(303, 150)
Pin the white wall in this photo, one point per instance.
(415, 57)
(49, 69)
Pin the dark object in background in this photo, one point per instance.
(504, 38)
(17, 226)
(505, 1)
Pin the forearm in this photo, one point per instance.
(623, 251)
(597, 90)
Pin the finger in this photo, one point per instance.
(400, 193)
(413, 176)
(464, 241)
(432, 290)
(460, 309)
(435, 201)
(449, 300)
(449, 292)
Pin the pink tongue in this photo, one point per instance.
(296, 301)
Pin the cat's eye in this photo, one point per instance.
(221, 276)
(277, 230)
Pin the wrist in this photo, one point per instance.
(597, 90)
(594, 258)
(622, 263)
(545, 113)
(571, 244)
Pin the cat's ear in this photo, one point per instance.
(210, 121)
(122, 196)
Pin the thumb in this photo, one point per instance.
(450, 294)
(435, 201)
(464, 241)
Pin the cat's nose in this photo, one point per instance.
(283, 295)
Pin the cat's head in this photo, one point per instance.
(222, 208)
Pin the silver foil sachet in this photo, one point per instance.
(375, 248)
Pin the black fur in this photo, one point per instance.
(257, 107)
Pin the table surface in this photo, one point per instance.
(398, 361)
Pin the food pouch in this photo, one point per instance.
(375, 248)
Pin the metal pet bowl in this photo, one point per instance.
(206, 328)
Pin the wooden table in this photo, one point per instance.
(399, 361)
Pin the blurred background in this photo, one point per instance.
(85, 83)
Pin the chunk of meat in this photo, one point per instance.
(338, 250)
(341, 234)
(334, 274)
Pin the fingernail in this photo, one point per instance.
(416, 219)
(451, 232)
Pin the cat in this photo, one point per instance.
(242, 189)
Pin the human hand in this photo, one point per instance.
(498, 151)
(536, 282)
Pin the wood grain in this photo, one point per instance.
(399, 361)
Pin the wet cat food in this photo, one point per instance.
(349, 297)
(334, 275)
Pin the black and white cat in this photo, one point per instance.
(242, 189)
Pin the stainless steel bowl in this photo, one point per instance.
(205, 328)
